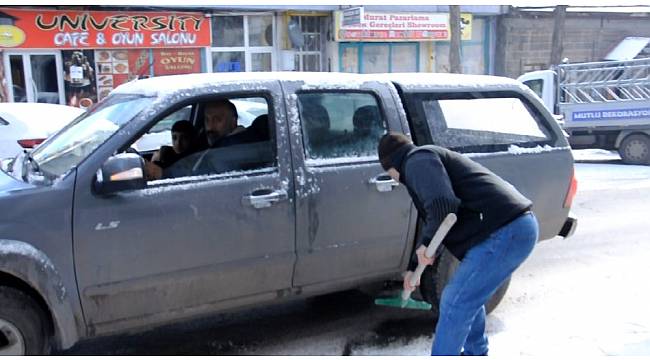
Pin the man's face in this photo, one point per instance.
(181, 141)
(219, 120)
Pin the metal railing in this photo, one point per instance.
(602, 82)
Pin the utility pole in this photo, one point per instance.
(559, 16)
(454, 41)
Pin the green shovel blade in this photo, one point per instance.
(408, 304)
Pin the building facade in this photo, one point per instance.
(77, 55)
(526, 37)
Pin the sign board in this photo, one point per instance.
(176, 61)
(76, 72)
(616, 114)
(352, 16)
(64, 29)
(381, 26)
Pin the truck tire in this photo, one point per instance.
(435, 278)
(635, 149)
(23, 323)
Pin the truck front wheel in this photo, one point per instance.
(435, 278)
(22, 324)
(635, 149)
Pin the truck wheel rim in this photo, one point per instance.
(11, 339)
(637, 149)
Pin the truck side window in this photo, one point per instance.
(249, 146)
(160, 134)
(340, 125)
(536, 85)
(483, 124)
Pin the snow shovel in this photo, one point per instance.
(405, 301)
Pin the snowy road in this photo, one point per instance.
(587, 295)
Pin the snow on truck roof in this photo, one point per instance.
(450, 81)
(162, 85)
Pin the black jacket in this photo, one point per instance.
(441, 181)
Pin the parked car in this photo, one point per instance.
(25, 125)
(305, 211)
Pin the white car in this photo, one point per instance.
(25, 125)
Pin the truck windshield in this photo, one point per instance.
(80, 138)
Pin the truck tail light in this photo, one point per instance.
(29, 143)
(573, 188)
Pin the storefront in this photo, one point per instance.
(269, 41)
(408, 42)
(78, 57)
(243, 42)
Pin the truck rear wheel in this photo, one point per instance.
(22, 324)
(635, 149)
(435, 278)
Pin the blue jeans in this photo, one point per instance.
(461, 324)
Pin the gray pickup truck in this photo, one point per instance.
(89, 246)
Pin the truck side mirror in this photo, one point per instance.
(120, 172)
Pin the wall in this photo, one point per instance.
(524, 39)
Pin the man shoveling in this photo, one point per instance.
(494, 233)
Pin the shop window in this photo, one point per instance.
(243, 43)
(308, 56)
(473, 57)
(369, 58)
(350, 59)
(227, 31)
(18, 78)
(261, 62)
(340, 125)
(118, 66)
(376, 59)
(228, 61)
(260, 30)
(404, 58)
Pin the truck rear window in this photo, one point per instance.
(483, 124)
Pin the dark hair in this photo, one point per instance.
(388, 144)
(183, 126)
(228, 103)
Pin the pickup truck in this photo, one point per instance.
(602, 104)
(90, 247)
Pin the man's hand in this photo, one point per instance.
(422, 258)
(152, 171)
(155, 156)
(407, 281)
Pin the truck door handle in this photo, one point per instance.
(264, 198)
(384, 183)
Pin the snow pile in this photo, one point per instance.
(450, 81)
(163, 85)
(341, 160)
(514, 149)
(517, 150)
